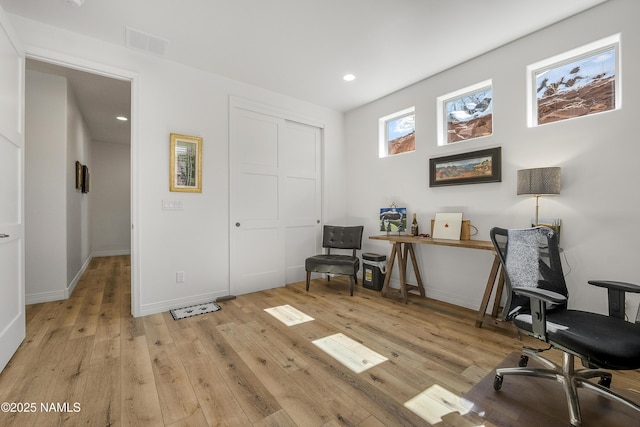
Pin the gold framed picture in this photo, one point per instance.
(186, 163)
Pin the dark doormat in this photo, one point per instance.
(194, 310)
(528, 401)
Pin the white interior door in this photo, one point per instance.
(257, 246)
(12, 307)
(274, 199)
(301, 163)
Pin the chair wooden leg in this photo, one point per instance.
(308, 278)
(351, 284)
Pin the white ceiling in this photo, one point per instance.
(100, 100)
(302, 48)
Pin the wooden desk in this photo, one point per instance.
(402, 248)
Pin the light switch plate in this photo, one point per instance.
(172, 205)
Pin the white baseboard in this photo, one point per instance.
(115, 252)
(45, 297)
(159, 307)
(61, 294)
(459, 300)
(77, 277)
(450, 298)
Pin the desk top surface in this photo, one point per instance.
(407, 238)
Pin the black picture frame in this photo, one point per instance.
(85, 179)
(474, 167)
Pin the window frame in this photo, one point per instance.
(383, 131)
(568, 57)
(442, 124)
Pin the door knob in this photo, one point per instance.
(237, 224)
(2, 236)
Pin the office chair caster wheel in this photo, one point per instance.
(605, 381)
(497, 382)
(524, 360)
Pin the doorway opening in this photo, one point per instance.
(97, 212)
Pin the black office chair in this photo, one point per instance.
(537, 304)
(336, 237)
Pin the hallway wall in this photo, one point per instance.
(110, 199)
(56, 213)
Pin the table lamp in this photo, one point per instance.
(539, 182)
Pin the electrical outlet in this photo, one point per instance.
(179, 276)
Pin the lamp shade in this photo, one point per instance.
(539, 181)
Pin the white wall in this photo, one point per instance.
(598, 211)
(599, 201)
(56, 214)
(169, 97)
(45, 181)
(110, 198)
(78, 147)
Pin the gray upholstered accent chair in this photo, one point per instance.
(336, 237)
(537, 305)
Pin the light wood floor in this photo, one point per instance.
(240, 366)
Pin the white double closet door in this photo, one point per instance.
(275, 197)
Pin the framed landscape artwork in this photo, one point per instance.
(466, 168)
(575, 84)
(186, 163)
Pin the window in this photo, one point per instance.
(397, 133)
(465, 114)
(577, 83)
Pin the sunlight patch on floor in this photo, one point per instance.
(288, 315)
(350, 353)
(436, 402)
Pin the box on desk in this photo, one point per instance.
(465, 231)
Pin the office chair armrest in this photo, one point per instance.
(616, 292)
(541, 294)
(538, 300)
(621, 286)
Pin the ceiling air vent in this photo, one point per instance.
(139, 40)
(74, 3)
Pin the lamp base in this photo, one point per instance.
(554, 224)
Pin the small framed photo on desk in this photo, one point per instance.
(393, 219)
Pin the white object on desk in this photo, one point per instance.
(447, 225)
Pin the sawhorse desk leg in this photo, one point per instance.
(488, 290)
(402, 254)
(392, 258)
(408, 250)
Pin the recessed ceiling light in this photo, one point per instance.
(122, 118)
(349, 77)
